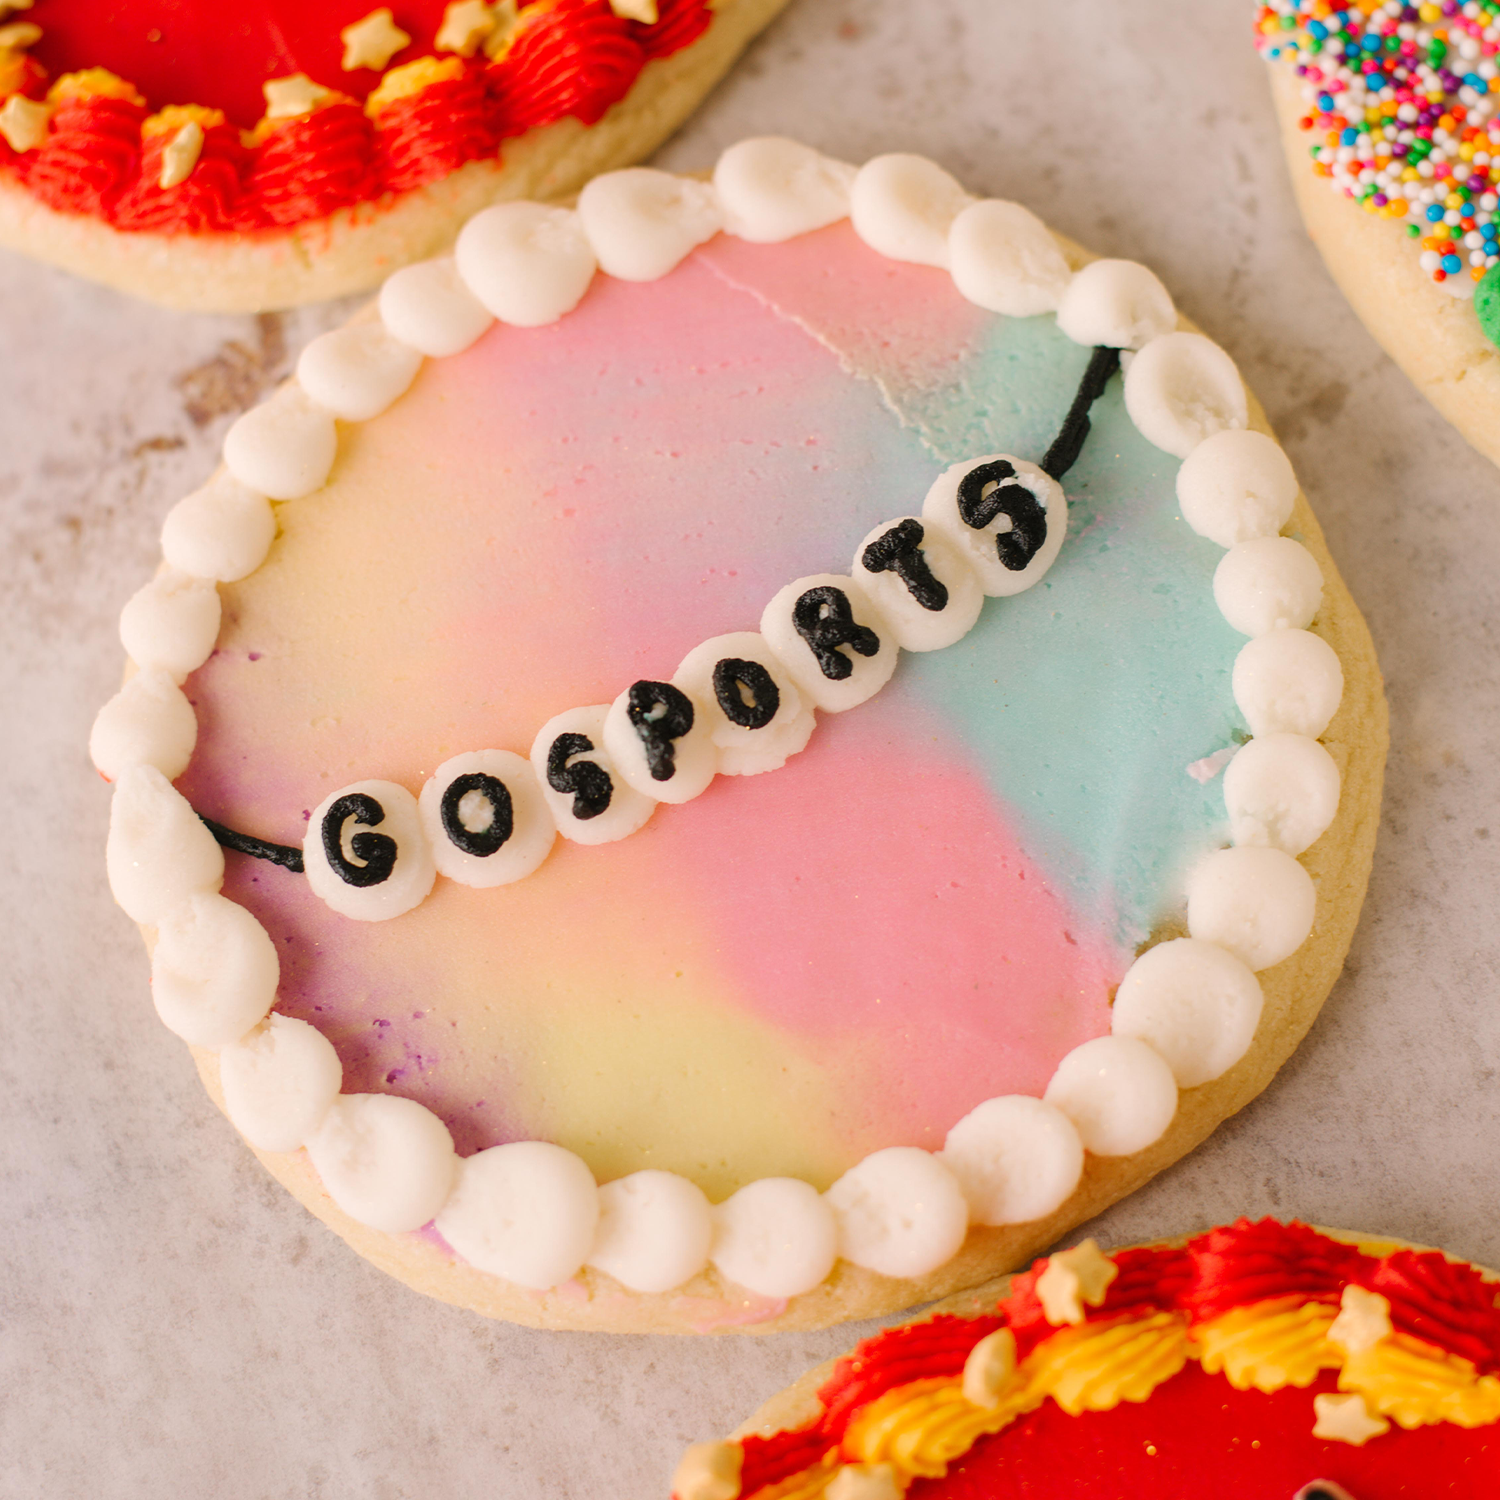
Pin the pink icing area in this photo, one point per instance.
(894, 323)
(704, 1314)
(893, 868)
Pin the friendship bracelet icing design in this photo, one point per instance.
(1413, 1337)
(1186, 1010)
(721, 714)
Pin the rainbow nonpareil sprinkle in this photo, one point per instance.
(1403, 111)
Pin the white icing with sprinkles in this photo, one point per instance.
(529, 1211)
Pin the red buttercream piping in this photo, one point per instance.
(570, 57)
(1440, 1303)
(1247, 1263)
(919, 1351)
(89, 156)
(769, 1460)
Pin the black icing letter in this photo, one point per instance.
(746, 692)
(376, 850)
(899, 551)
(824, 620)
(661, 714)
(979, 505)
(483, 841)
(586, 780)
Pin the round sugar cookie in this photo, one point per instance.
(302, 153)
(1262, 1359)
(1388, 116)
(736, 749)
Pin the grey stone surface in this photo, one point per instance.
(174, 1325)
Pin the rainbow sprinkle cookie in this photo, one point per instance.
(1397, 107)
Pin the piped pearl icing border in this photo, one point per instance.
(529, 1211)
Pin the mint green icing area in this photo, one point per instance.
(1115, 669)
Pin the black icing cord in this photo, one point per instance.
(242, 843)
(1068, 443)
(1061, 456)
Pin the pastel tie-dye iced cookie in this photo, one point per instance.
(271, 154)
(743, 754)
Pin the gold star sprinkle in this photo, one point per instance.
(864, 1482)
(1364, 1319)
(991, 1363)
(1346, 1419)
(643, 11)
(23, 122)
(709, 1471)
(286, 98)
(1072, 1278)
(181, 155)
(8, 6)
(466, 23)
(19, 35)
(506, 17)
(373, 42)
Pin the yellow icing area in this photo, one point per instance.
(1269, 1345)
(1416, 1385)
(922, 1427)
(94, 83)
(170, 120)
(1095, 1367)
(412, 78)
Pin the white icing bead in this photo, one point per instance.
(1182, 388)
(654, 1231)
(1021, 515)
(773, 189)
(1117, 303)
(214, 971)
(279, 1082)
(1004, 258)
(388, 1162)
(920, 617)
(1281, 790)
(641, 222)
(356, 372)
(526, 1211)
(661, 741)
(1195, 1005)
(503, 831)
(147, 723)
(776, 1237)
(589, 806)
(1236, 486)
(222, 531)
(903, 206)
(1271, 583)
(1117, 1091)
(428, 306)
(171, 624)
(1258, 903)
(745, 745)
(527, 263)
(379, 840)
(837, 613)
(1016, 1158)
(1288, 681)
(900, 1212)
(284, 447)
(159, 853)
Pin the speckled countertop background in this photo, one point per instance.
(172, 1324)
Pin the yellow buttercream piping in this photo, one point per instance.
(810, 1484)
(94, 83)
(1416, 1385)
(412, 78)
(1095, 1368)
(1269, 1345)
